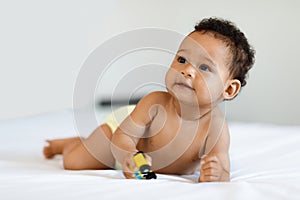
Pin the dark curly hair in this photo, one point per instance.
(242, 54)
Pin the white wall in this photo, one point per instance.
(44, 43)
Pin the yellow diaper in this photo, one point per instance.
(114, 119)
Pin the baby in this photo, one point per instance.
(180, 130)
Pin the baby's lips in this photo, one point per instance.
(186, 84)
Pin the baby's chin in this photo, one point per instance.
(186, 99)
(193, 101)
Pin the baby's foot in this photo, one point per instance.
(52, 149)
(56, 146)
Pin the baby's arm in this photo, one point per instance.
(127, 135)
(215, 166)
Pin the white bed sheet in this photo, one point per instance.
(265, 164)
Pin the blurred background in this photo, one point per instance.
(43, 45)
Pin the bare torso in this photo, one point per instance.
(175, 145)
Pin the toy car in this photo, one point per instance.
(144, 169)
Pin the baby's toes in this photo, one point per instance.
(47, 151)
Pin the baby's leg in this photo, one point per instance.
(57, 146)
(78, 153)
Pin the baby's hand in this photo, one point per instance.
(129, 167)
(212, 169)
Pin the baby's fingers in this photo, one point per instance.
(209, 165)
(209, 169)
(129, 167)
(209, 174)
(208, 178)
(206, 158)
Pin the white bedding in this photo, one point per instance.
(265, 164)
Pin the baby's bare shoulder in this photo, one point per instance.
(158, 96)
(155, 99)
(218, 133)
(151, 104)
(217, 122)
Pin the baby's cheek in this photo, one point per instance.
(214, 88)
(170, 77)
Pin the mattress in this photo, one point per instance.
(265, 164)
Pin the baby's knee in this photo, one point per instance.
(107, 131)
(71, 163)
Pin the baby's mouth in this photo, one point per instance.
(184, 85)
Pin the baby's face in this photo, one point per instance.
(199, 71)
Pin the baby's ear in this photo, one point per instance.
(232, 89)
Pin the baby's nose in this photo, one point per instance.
(188, 71)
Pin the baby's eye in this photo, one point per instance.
(181, 60)
(204, 67)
